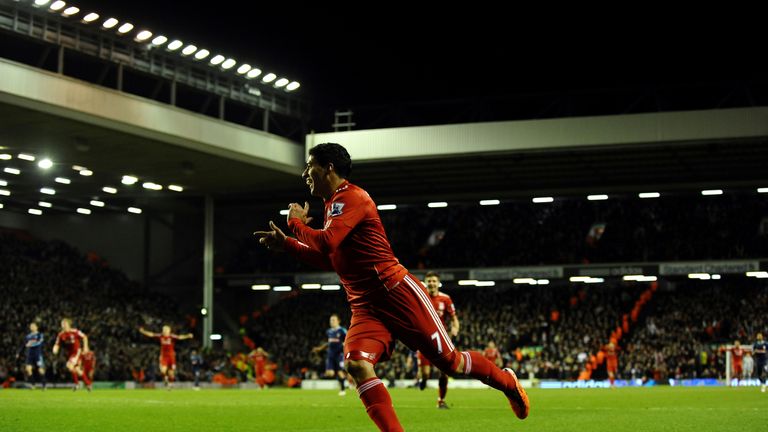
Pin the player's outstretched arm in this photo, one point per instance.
(273, 240)
(86, 348)
(320, 347)
(146, 333)
(186, 336)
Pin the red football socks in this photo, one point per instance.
(479, 367)
(378, 405)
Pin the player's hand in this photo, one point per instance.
(454, 332)
(273, 240)
(55, 349)
(297, 211)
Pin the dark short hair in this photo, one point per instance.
(432, 274)
(332, 153)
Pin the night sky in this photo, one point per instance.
(349, 54)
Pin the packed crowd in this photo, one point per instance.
(567, 231)
(45, 281)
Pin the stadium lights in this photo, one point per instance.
(437, 204)
(129, 180)
(63, 180)
(203, 53)
(649, 195)
(13, 171)
(34, 211)
(4, 192)
(538, 200)
(467, 282)
(152, 186)
(244, 68)
(542, 282)
(176, 44)
(78, 167)
(91, 17)
(268, 78)
(490, 202)
(310, 286)
(217, 59)
(26, 157)
(203, 311)
(715, 276)
(109, 189)
(292, 86)
(189, 50)
(45, 164)
(485, 283)
(215, 336)
(109, 23)
(253, 73)
(260, 287)
(125, 28)
(134, 210)
(640, 278)
(97, 203)
(84, 211)
(597, 197)
(3, 183)
(701, 276)
(284, 212)
(86, 173)
(228, 63)
(159, 40)
(586, 279)
(143, 35)
(176, 188)
(758, 274)
(282, 82)
(529, 281)
(45, 204)
(5, 156)
(57, 5)
(72, 10)
(1, 205)
(42, 2)
(710, 192)
(387, 207)
(282, 288)
(47, 191)
(759, 190)
(330, 287)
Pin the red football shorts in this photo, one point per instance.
(169, 361)
(403, 313)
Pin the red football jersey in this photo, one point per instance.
(738, 354)
(167, 344)
(71, 340)
(491, 354)
(443, 305)
(352, 242)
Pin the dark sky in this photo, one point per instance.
(383, 53)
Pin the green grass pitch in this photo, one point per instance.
(630, 409)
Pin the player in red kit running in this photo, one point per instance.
(444, 307)
(611, 362)
(70, 338)
(387, 302)
(737, 359)
(492, 354)
(258, 358)
(167, 352)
